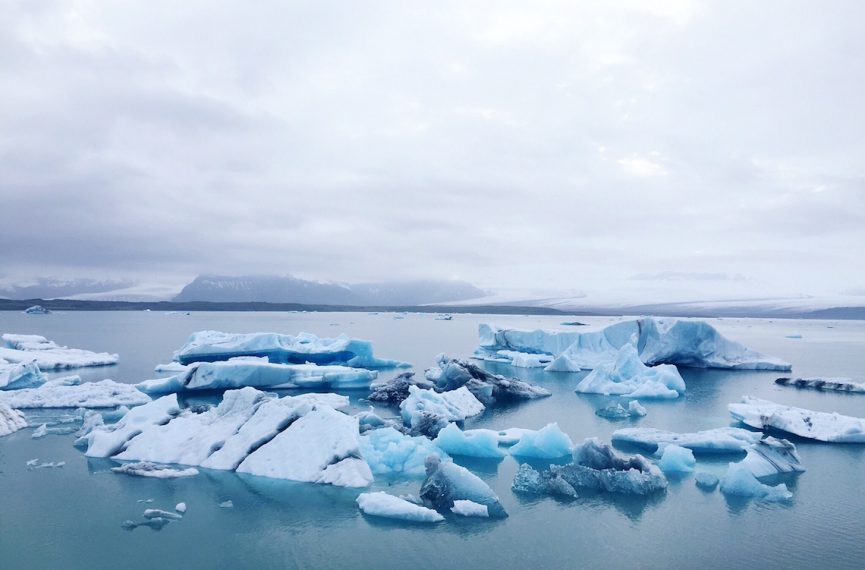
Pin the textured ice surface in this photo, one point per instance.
(258, 373)
(105, 441)
(450, 374)
(209, 346)
(531, 481)
(677, 459)
(719, 440)
(56, 394)
(658, 341)
(473, 443)
(619, 412)
(427, 411)
(470, 509)
(14, 376)
(706, 481)
(37, 310)
(155, 470)
(741, 482)
(180, 508)
(628, 376)
(446, 483)
(10, 420)
(771, 456)
(525, 359)
(549, 442)
(159, 513)
(381, 504)
(825, 384)
(22, 348)
(822, 426)
(389, 452)
(395, 390)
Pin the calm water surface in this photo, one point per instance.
(70, 517)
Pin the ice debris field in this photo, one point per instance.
(254, 427)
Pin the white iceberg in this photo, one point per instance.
(106, 440)
(14, 376)
(628, 376)
(427, 411)
(24, 348)
(658, 341)
(155, 470)
(821, 426)
(677, 459)
(209, 346)
(58, 394)
(741, 482)
(719, 440)
(259, 373)
(10, 420)
(770, 456)
(381, 504)
(470, 509)
(471, 443)
(525, 359)
(549, 442)
(37, 310)
(389, 452)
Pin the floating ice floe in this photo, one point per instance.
(40, 432)
(471, 443)
(24, 348)
(14, 376)
(771, 456)
(258, 373)
(389, 452)
(210, 346)
(229, 504)
(447, 483)
(821, 426)
(450, 374)
(395, 390)
(180, 508)
(444, 317)
(596, 466)
(10, 420)
(381, 504)
(741, 482)
(524, 359)
(824, 384)
(35, 464)
(427, 412)
(549, 442)
(677, 459)
(75, 394)
(619, 412)
(155, 470)
(159, 513)
(470, 509)
(658, 341)
(628, 376)
(706, 481)
(719, 440)
(37, 310)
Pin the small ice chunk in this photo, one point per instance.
(32, 462)
(226, 504)
(180, 508)
(741, 482)
(677, 459)
(159, 513)
(548, 442)
(37, 310)
(706, 481)
(478, 443)
(531, 481)
(150, 469)
(40, 432)
(381, 504)
(470, 509)
(619, 412)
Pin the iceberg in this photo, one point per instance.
(180, 508)
(389, 452)
(259, 373)
(210, 346)
(14, 376)
(10, 420)
(741, 482)
(472, 443)
(821, 426)
(381, 504)
(549, 442)
(719, 440)
(427, 412)
(677, 459)
(628, 376)
(57, 394)
(450, 374)
(149, 469)
(619, 412)
(107, 440)
(529, 480)
(771, 456)
(395, 390)
(706, 481)
(159, 513)
(446, 483)
(525, 359)
(658, 341)
(470, 509)
(25, 348)
(37, 310)
(824, 384)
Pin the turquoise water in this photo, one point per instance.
(70, 517)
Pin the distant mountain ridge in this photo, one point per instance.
(287, 289)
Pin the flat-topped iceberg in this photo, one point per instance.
(628, 376)
(48, 355)
(741, 482)
(380, 504)
(447, 483)
(74, 394)
(821, 426)
(719, 440)
(259, 373)
(389, 452)
(295, 438)
(154, 470)
(452, 373)
(471, 443)
(14, 376)
(210, 346)
(427, 412)
(658, 341)
(824, 384)
(771, 456)
(10, 420)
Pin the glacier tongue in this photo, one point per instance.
(821, 426)
(23, 348)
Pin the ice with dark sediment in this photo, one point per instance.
(824, 384)
(529, 480)
(447, 482)
(395, 390)
(452, 373)
(427, 412)
(772, 456)
(820, 426)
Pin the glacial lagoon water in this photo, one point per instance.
(70, 517)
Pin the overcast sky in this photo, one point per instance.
(555, 145)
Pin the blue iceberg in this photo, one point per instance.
(628, 376)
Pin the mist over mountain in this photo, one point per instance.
(287, 289)
(49, 288)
